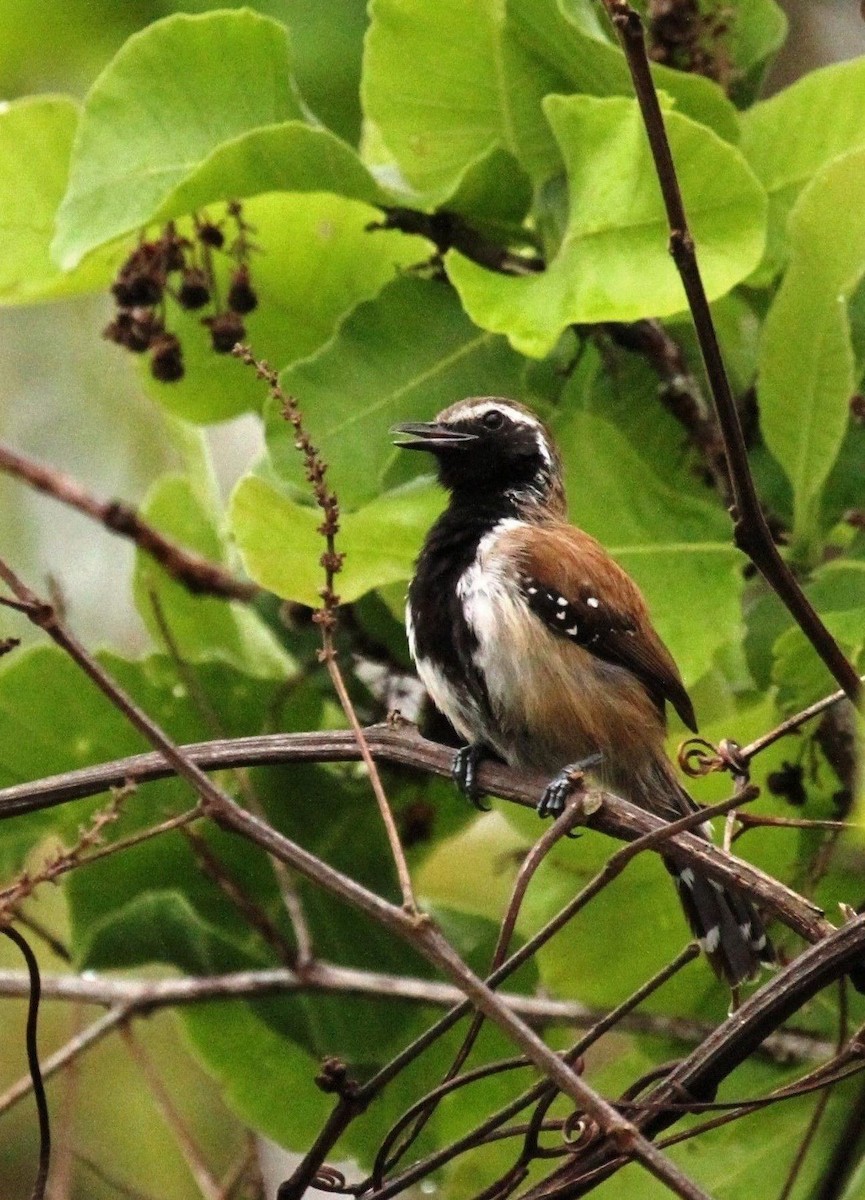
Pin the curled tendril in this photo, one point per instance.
(698, 757)
(329, 1179)
(578, 1131)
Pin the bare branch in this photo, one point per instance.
(200, 575)
(751, 530)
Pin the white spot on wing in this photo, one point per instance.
(710, 943)
(593, 602)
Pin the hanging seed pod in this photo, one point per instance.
(194, 290)
(166, 359)
(226, 330)
(241, 294)
(210, 235)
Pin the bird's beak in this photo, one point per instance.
(428, 435)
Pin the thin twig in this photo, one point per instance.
(287, 888)
(199, 575)
(751, 530)
(415, 929)
(573, 813)
(792, 724)
(77, 1045)
(204, 1178)
(316, 471)
(37, 1074)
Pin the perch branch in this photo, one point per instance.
(401, 744)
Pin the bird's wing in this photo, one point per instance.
(571, 584)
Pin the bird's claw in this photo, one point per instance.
(465, 771)
(552, 802)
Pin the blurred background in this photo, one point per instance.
(72, 400)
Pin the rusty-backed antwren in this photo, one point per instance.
(539, 648)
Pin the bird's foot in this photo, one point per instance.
(552, 803)
(464, 772)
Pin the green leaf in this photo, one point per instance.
(613, 264)
(676, 546)
(160, 108)
(264, 1077)
(567, 35)
(317, 262)
(793, 135)
(484, 92)
(281, 546)
(35, 143)
(292, 157)
(837, 591)
(401, 357)
(807, 369)
(201, 627)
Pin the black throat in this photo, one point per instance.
(441, 632)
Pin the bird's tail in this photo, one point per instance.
(724, 921)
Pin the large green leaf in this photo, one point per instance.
(444, 85)
(613, 263)
(172, 96)
(677, 546)
(788, 138)
(291, 157)
(807, 369)
(403, 356)
(200, 627)
(280, 542)
(568, 35)
(489, 63)
(35, 143)
(317, 262)
(264, 1077)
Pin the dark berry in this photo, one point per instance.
(194, 291)
(166, 359)
(241, 294)
(226, 330)
(139, 288)
(144, 330)
(211, 235)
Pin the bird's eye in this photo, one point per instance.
(493, 419)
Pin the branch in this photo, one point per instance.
(751, 530)
(199, 575)
(401, 744)
(698, 1076)
(415, 929)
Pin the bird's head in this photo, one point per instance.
(487, 445)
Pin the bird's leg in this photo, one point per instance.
(552, 803)
(465, 772)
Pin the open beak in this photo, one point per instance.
(428, 435)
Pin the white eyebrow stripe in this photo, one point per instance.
(514, 414)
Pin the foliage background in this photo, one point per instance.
(410, 350)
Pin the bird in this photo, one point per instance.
(539, 648)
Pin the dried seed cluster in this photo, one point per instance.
(183, 269)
